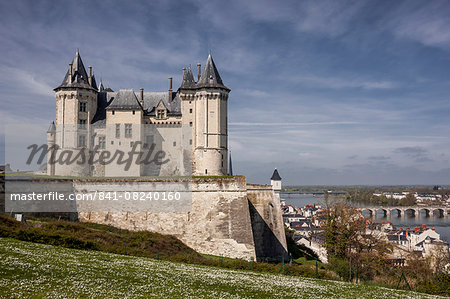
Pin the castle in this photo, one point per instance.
(188, 128)
(189, 125)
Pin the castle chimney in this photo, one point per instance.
(199, 70)
(141, 99)
(90, 76)
(170, 88)
(70, 72)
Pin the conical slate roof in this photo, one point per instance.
(93, 83)
(52, 128)
(275, 176)
(210, 76)
(188, 79)
(79, 76)
(101, 87)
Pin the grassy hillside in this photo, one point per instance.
(38, 270)
(90, 236)
(96, 237)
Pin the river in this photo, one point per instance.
(442, 225)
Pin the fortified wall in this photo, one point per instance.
(228, 217)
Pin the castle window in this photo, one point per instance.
(148, 141)
(206, 171)
(81, 141)
(117, 130)
(82, 106)
(190, 141)
(174, 143)
(190, 124)
(160, 114)
(112, 141)
(190, 110)
(82, 124)
(134, 112)
(128, 130)
(113, 112)
(102, 142)
(131, 144)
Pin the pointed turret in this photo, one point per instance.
(275, 176)
(205, 110)
(52, 128)
(101, 87)
(210, 76)
(94, 83)
(188, 79)
(76, 75)
(275, 181)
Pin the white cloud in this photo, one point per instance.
(290, 124)
(338, 83)
(24, 81)
(427, 22)
(332, 18)
(253, 92)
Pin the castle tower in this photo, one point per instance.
(76, 105)
(204, 108)
(275, 181)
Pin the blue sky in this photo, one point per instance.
(329, 92)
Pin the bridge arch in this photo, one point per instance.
(396, 210)
(427, 211)
(386, 212)
(412, 211)
(371, 211)
(440, 212)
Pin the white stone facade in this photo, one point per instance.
(189, 126)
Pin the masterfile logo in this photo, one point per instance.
(76, 169)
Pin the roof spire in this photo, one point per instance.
(210, 76)
(93, 82)
(52, 127)
(275, 176)
(101, 87)
(78, 77)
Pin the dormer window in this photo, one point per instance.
(160, 114)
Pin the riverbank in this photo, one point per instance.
(442, 225)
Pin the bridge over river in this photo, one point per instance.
(401, 211)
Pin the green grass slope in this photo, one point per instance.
(37, 270)
(99, 237)
(90, 236)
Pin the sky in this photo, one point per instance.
(327, 92)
